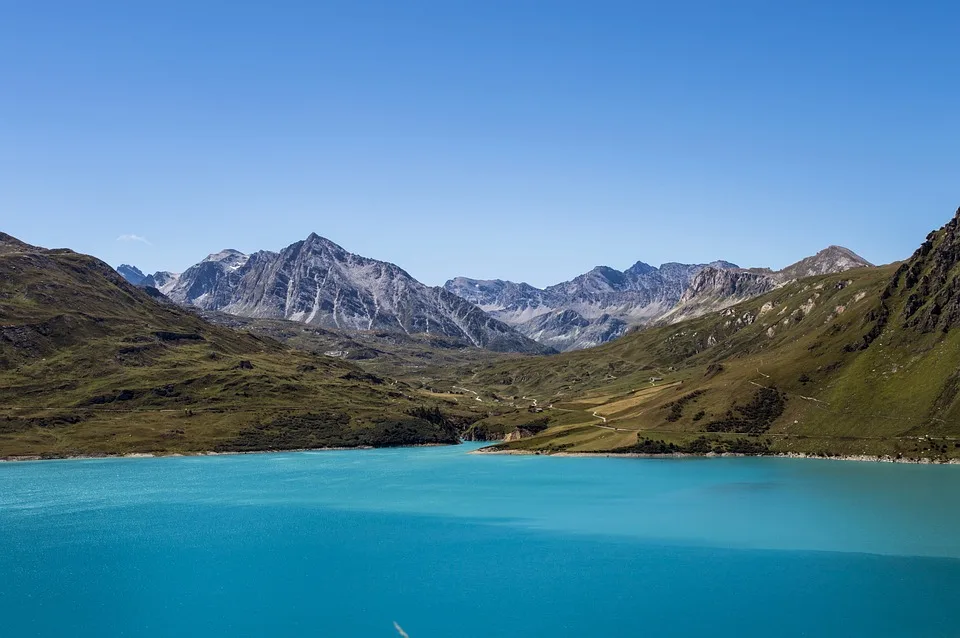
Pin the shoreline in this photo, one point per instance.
(160, 455)
(860, 458)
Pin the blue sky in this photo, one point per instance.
(511, 139)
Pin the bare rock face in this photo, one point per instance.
(602, 304)
(591, 309)
(929, 282)
(714, 289)
(317, 282)
(567, 330)
(131, 274)
(830, 260)
(164, 281)
(209, 284)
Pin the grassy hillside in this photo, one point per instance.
(863, 362)
(421, 360)
(90, 364)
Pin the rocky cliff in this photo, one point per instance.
(315, 281)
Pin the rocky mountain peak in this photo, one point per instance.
(162, 280)
(228, 258)
(610, 275)
(317, 243)
(829, 260)
(315, 281)
(131, 274)
(591, 308)
(640, 268)
(725, 265)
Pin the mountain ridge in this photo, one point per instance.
(864, 363)
(93, 365)
(318, 282)
(641, 295)
(595, 307)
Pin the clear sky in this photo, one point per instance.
(513, 139)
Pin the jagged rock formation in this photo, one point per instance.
(508, 301)
(930, 282)
(163, 280)
(210, 283)
(567, 330)
(715, 289)
(604, 303)
(830, 260)
(318, 282)
(131, 274)
(590, 309)
(315, 281)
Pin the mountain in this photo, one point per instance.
(317, 282)
(829, 260)
(163, 280)
(568, 330)
(90, 364)
(203, 285)
(508, 301)
(712, 289)
(865, 362)
(563, 315)
(131, 274)
(10, 244)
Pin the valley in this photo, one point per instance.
(830, 360)
(91, 365)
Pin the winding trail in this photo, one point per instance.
(476, 395)
(603, 420)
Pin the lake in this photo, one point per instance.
(449, 544)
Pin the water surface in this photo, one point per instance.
(455, 545)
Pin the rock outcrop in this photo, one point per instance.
(317, 282)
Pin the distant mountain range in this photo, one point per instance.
(857, 361)
(603, 304)
(317, 282)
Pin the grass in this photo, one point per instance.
(805, 340)
(865, 362)
(92, 365)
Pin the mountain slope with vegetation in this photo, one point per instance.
(90, 364)
(603, 304)
(862, 362)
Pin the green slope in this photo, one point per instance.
(419, 359)
(91, 365)
(864, 362)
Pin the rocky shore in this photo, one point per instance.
(684, 455)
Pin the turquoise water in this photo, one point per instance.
(455, 545)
